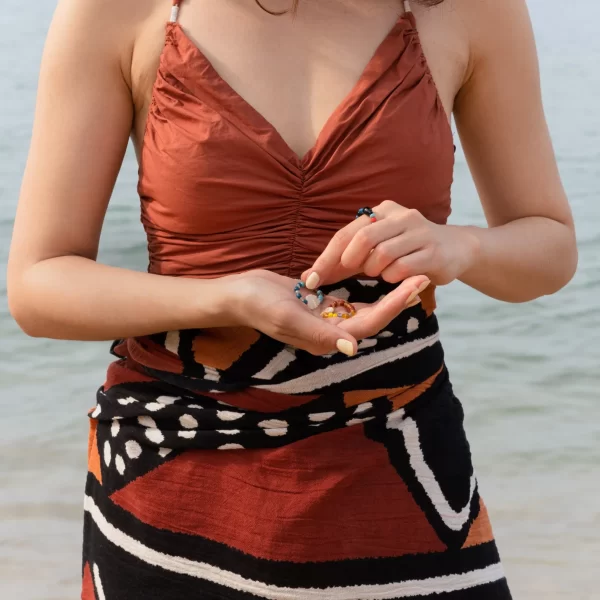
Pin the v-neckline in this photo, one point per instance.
(301, 162)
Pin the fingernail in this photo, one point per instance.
(313, 280)
(422, 287)
(414, 301)
(412, 297)
(345, 347)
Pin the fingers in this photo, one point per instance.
(329, 262)
(401, 268)
(385, 253)
(387, 309)
(369, 239)
(352, 246)
(318, 336)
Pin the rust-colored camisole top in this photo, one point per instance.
(222, 192)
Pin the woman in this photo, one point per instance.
(254, 438)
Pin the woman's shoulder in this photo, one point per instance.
(107, 26)
(464, 37)
(492, 27)
(126, 33)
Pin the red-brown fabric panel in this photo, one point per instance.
(293, 503)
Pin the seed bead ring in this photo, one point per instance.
(368, 212)
(312, 300)
(330, 313)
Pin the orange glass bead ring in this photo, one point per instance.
(330, 312)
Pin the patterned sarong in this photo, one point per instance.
(226, 465)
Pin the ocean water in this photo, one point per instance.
(528, 375)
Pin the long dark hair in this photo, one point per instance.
(295, 3)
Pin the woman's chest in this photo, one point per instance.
(296, 72)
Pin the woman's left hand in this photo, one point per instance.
(400, 244)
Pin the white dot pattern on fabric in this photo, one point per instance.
(195, 406)
(231, 447)
(228, 415)
(154, 435)
(229, 431)
(395, 419)
(341, 293)
(367, 343)
(107, 453)
(358, 421)
(164, 452)
(276, 432)
(168, 399)
(154, 406)
(188, 421)
(147, 421)
(120, 464)
(172, 341)
(361, 408)
(273, 424)
(190, 435)
(384, 334)
(412, 325)
(321, 416)
(133, 449)
(115, 427)
(211, 374)
(97, 411)
(126, 401)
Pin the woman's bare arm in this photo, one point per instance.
(82, 124)
(529, 249)
(83, 119)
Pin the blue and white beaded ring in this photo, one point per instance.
(368, 212)
(312, 300)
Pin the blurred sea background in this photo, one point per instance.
(528, 375)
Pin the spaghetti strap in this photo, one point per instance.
(175, 11)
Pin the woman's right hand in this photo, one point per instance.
(266, 301)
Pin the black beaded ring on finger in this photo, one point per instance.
(368, 212)
(312, 300)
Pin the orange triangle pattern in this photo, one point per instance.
(87, 589)
(399, 396)
(481, 530)
(402, 398)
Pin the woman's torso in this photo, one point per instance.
(263, 170)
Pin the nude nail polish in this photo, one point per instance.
(345, 347)
(422, 287)
(313, 280)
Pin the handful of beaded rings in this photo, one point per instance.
(330, 312)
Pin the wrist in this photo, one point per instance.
(472, 248)
(216, 302)
(233, 299)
